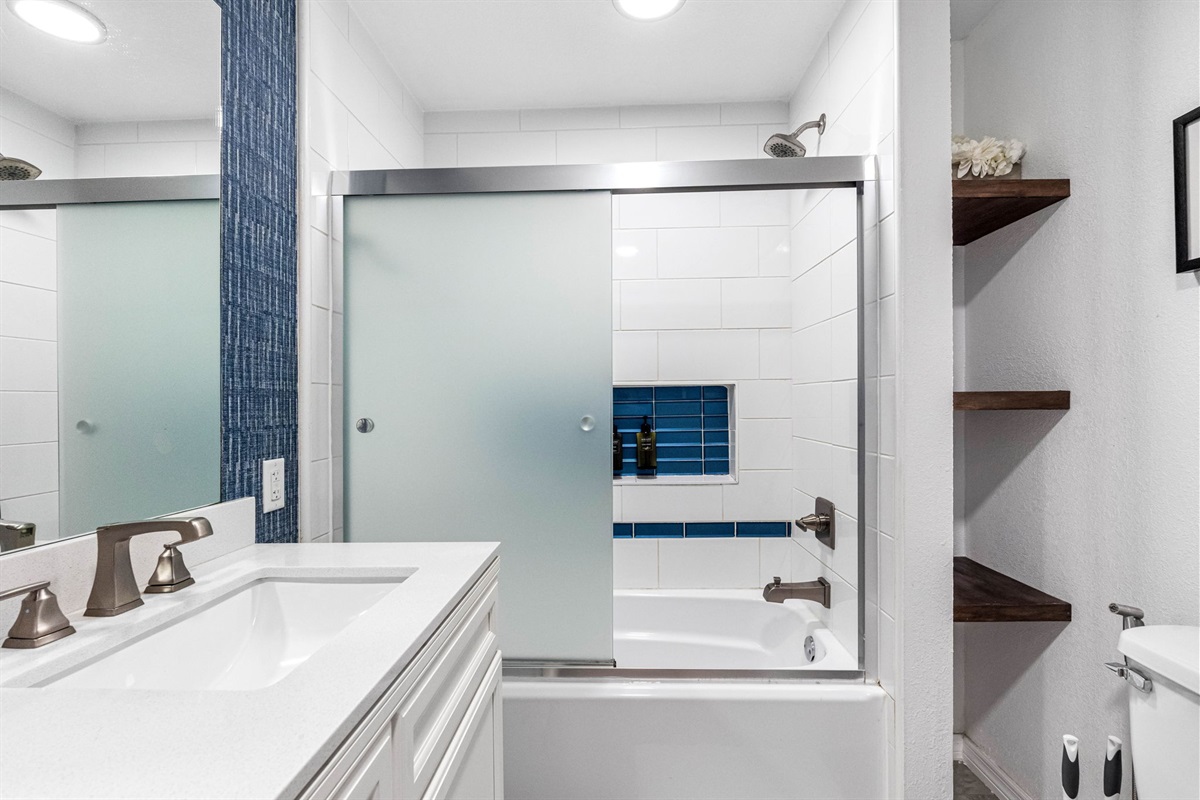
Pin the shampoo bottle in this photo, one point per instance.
(647, 448)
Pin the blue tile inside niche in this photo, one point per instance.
(692, 423)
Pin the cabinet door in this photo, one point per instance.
(374, 776)
(472, 768)
(476, 779)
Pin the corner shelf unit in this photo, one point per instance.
(982, 206)
(1012, 401)
(982, 594)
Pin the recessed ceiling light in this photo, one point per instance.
(647, 10)
(62, 19)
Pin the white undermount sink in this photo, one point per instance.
(248, 640)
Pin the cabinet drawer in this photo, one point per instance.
(469, 770)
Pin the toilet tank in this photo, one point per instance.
(1164, 724)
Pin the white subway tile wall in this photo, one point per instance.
(360, 116)
(29, 369)
(168, 147)
(850, 80)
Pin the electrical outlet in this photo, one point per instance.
(273, 483)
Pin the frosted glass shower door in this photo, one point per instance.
(478, 343)
(139, 354)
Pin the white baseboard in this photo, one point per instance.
(982, 765)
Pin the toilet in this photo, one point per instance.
(1164, 723)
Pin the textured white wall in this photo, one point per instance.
(923, 500)
(1098, 503)
(358, 115)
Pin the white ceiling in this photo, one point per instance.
(162, 60)
(506, 54)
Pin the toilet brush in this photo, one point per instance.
(1070, 767)
(1112, 769)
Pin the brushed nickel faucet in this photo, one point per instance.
(816, 591)
(114, 590)
(40, 620)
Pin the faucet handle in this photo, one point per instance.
(171, 574)
(40, 620)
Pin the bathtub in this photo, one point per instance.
(714, 696)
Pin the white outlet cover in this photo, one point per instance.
(273, 483)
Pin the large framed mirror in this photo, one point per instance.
(110, 291)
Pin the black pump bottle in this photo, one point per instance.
(618, 450)
(647, 448)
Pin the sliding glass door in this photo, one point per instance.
(478, 396)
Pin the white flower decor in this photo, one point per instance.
(985, 158)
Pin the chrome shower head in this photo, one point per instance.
(787, 145)
(14, 169)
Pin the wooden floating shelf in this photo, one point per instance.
(1012, 401)
(984, 595)
(984, 206)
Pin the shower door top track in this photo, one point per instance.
(43, 194)
(824, 172)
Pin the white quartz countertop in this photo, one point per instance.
(265, 743)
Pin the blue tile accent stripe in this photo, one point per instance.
(692, 423)
(658, 530)
(763, 529)
(701, 530)
(258, 254)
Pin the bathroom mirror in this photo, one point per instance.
(109, 311)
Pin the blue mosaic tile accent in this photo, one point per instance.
(763, 529)
(258, 254)
(701, 530)
(692, 423)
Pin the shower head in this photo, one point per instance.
(14, 169)
(787, 145)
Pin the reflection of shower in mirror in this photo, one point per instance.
(14, 169)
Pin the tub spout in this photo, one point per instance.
(816, 591)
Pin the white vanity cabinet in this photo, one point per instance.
(436, 731)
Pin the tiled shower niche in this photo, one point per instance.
(692, 423)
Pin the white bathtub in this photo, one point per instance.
(719, 629)
(642, 738)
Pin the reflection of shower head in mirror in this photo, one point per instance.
(14, 169)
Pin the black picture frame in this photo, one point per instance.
(1187, 235)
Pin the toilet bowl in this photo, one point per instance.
(1164, 722)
